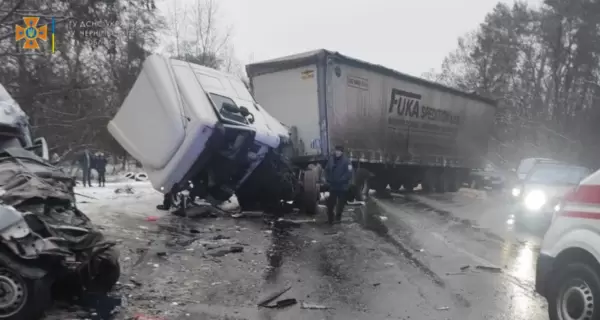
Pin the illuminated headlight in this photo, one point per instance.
(535, 200)
(516, 192)
(557, 207)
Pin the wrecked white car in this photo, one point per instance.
(198, 132)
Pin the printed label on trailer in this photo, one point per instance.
(406, 110)
(359, 83)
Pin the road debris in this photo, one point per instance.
(126, 189)
(488, 268)
(313, 306)
(463, 268)
(286, 223)
(442, 308)
(272, 296)
(145, 317)
(225, 251)
(282, 303)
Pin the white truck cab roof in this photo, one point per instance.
(174, 108)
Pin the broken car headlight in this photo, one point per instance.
(535, 200)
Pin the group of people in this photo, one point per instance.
(88, 161)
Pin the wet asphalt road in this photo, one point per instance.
(452, 244)
(406, 265)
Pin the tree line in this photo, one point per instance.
(542, 65)
(70, 94)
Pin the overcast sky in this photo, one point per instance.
(409, 36)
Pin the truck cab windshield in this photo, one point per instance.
(220, 101)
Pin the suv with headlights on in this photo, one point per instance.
(539, 194)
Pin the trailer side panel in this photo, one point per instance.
(380, 118)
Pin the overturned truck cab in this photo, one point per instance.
(199, 134)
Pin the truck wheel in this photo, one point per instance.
(311, 192)
(576, 294)
(179, 203)
(22, 298)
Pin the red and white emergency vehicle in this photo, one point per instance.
(568, 267)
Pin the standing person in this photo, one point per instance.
(100, 166)
(338, 173)
(85, 164)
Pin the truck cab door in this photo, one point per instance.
(41, 148)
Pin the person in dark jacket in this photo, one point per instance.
(338, 174)
(100, 162)
(84, 160)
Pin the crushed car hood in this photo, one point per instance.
(24, 176)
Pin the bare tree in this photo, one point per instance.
(176, 21)
(199, 35)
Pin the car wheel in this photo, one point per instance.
(22, 298)
(576, 294)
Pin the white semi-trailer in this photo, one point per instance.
(405, 130)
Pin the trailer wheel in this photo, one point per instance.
(441, 184)
(429, 181)
(311, 193)
(395, 185)
(409, 186)
(453, 184)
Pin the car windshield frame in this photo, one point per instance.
(556, 174)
